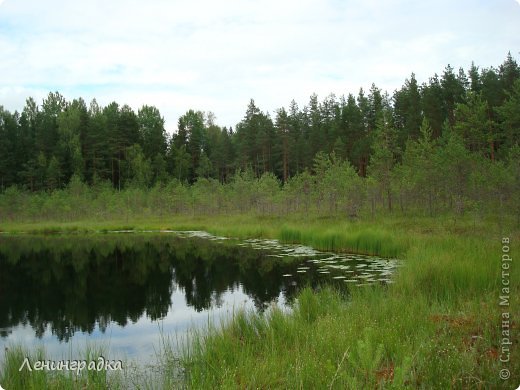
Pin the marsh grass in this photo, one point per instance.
(325, 342)
(437, 326)
(351, 239)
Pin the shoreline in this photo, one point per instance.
(435, 326)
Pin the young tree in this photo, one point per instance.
(205, 169)
(182, 163)
(53, 174)
(455, 179)
(341, 185)
(384, 156)
(159, 170)
(139, 169)
(419, 167)
(267, 188)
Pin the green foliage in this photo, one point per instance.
(45, 146)
(182, 162)
(474, 125)
(139, 169)
(53, 174)
(418, 177)
(204, 170)
(438, 148)
(152, 132)
(455, 180)
(509, 114)
(366, 357)
(383, 157)
(337, 184)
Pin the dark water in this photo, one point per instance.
(124, 289)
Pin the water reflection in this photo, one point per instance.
(73, 283)
(122, 287)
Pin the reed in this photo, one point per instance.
(351, 239)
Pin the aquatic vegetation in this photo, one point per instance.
(428, 321)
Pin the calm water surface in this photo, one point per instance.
(122, 290)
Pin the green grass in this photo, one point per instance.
(347, 239)
(15, 374)
(437, 326)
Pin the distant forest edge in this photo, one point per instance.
(451, 144)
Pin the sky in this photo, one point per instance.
(217, 55)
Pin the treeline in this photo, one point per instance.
(449, 143)
(420, 185)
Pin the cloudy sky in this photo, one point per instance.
(216, 55)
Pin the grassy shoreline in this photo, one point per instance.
(384, 236)
(438, 326)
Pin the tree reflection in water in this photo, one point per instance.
(72, 283)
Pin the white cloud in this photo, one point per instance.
(217, 55)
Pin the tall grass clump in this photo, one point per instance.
(450, 268)
(11, 377)
(326, 342)
(370, 241)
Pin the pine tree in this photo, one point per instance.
(95, 145)
(453, 89)
(191, 125)
(473, 125)
(419, 166)
(71, 124)
(282, 127)
(408, 111)
(509, 72)
(383, 156)
(509, 116)
(8, 145)
(433, 105)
